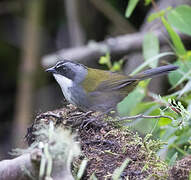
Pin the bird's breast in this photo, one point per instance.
(66, 85)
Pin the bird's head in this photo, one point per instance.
(73, 71)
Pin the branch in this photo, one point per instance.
(119, 45)
(16, 168)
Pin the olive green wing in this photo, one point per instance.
(99, 80)
(115, 84)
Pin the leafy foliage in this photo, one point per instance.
(176, 132)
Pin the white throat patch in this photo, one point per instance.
(65, 84)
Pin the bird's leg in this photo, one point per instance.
(86, 122)
(78, 118)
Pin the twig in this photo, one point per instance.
(154, 5)
(142, 116)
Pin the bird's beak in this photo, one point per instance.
(51, 70)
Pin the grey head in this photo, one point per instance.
(69, 74)
(71, 70)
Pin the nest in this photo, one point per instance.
(105, 144)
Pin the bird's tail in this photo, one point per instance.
(155, 72)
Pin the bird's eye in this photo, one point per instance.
(61, 68)
(64, 68)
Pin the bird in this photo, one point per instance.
(92, 89)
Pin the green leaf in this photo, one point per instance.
(130, 102)
(147, 2)
(177, 42)
(150, 60)
(188, 56)
(93, 177)
(186, 88)
(118, 171)
(82, 169)
(154, 16)
(106, 60)
(150, 48)
(173, 159)
(164, 121)
(148, 124)
(180, 18)
(117, 65)
(143, 106)
(168, 134)
(131, 6)
(175, 77)
(184, 77)
(189, 175)
(157, 15)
